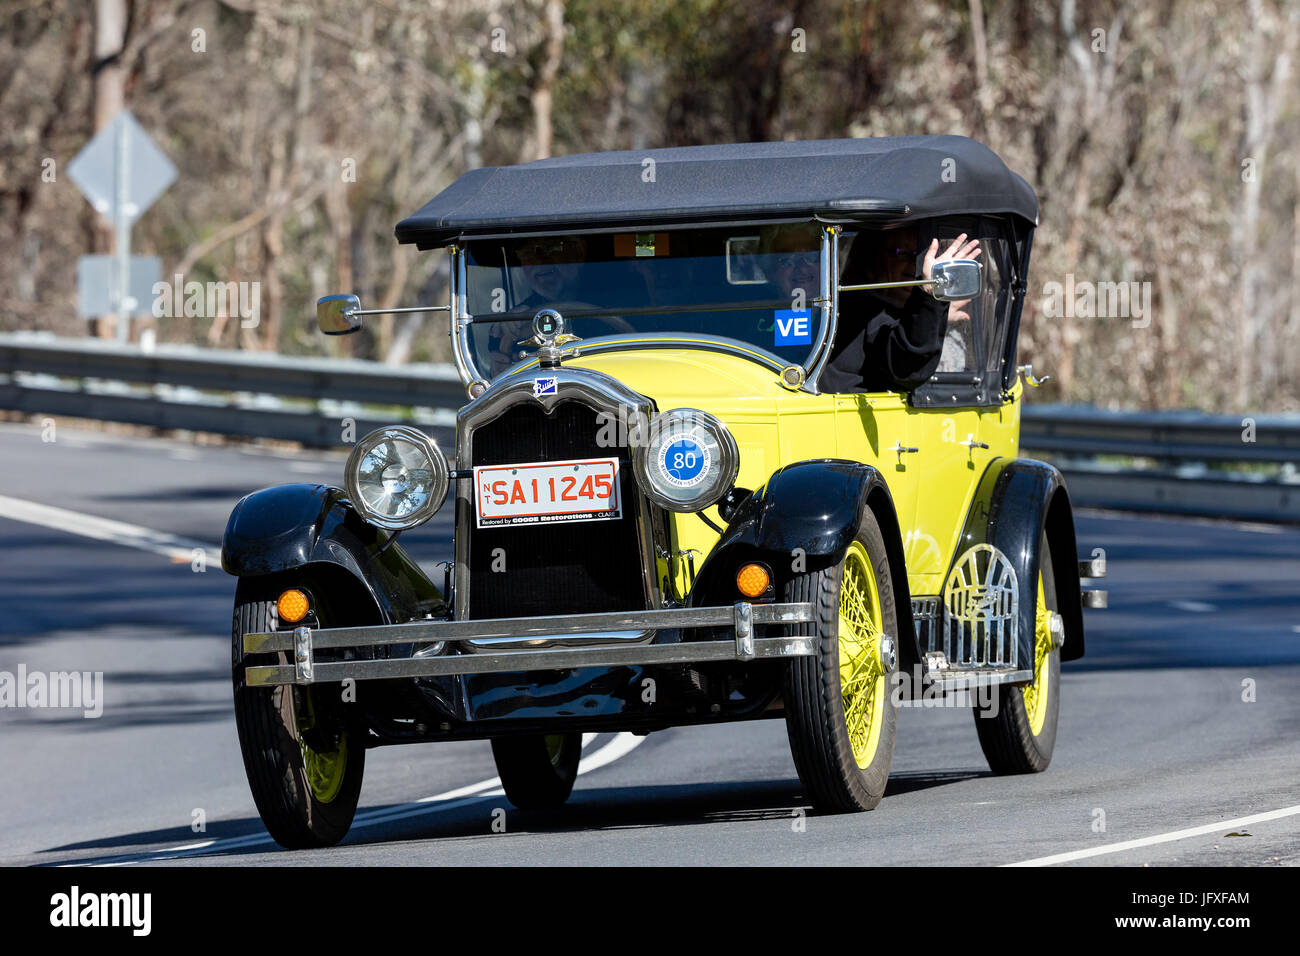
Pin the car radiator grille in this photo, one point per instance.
(559, 568)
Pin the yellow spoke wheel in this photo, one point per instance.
(862, 675)
(1017, 728)
(1036, 696)
(303, 760)
(839, 712)
(325, 771)
(538, 770)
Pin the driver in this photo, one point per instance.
(551, 267)
(891, 339)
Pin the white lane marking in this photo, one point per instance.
(171, 546)
(1159, 838)
(622, 745)
(1196, 607)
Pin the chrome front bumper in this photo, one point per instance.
(302, 643)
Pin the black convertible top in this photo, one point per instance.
(839, 180)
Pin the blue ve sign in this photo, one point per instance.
(793, 326)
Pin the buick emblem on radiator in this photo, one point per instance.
(982, 608)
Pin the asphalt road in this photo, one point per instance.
(1155, 735)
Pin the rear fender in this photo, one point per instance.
(1016, 501)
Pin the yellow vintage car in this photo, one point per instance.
(741, 442)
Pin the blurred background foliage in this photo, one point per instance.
(1162, 138)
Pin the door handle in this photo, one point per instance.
(971, 443)
(1028, 372)
(900, 450)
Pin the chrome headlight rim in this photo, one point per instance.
(722, 468)
(440, 471)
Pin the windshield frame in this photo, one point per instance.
(477, 381)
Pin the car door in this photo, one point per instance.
(874, 428)
(957, 423)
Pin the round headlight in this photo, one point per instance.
(689, 462)
(397, 477)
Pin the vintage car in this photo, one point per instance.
(741, 441)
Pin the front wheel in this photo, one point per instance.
(1020, 734)
(840, 712)
(304, 763)
(537, 772)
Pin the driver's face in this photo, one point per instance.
(551, 264)
(899, 255)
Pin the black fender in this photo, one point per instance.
(803, 520)
(1017, 500)
(315, 528)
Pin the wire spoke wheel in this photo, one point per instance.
(538, 770)
(1017, 729)
(862, 676)
(839, 715)
(326, 768)
(1036, 695)
(302, 751)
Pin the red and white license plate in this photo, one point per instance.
(546, 492)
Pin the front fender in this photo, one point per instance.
(803, 519)
(299, 526)
(1018, 499)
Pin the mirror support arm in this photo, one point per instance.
(887, 285)
(416, 308)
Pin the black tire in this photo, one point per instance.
(266, 718)
(814, 703)
(1007, 737)
(538, 772)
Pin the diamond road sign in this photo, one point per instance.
(121, 164)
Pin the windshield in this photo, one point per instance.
(754, 286)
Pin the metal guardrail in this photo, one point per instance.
(1082, 431)
(177, 381)
(1205, 464)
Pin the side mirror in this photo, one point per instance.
(339, 314)
(956, 279)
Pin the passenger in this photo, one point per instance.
(892, 339)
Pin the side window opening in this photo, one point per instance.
(971, 326)
(904, 340)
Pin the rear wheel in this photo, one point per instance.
(840, 714)
(538, 772)
(303, 760)
(1020, 735)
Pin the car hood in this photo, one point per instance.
(726, 385)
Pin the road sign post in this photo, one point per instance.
(121, 171)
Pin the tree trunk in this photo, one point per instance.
(543, 88)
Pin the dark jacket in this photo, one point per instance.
(881, 346)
